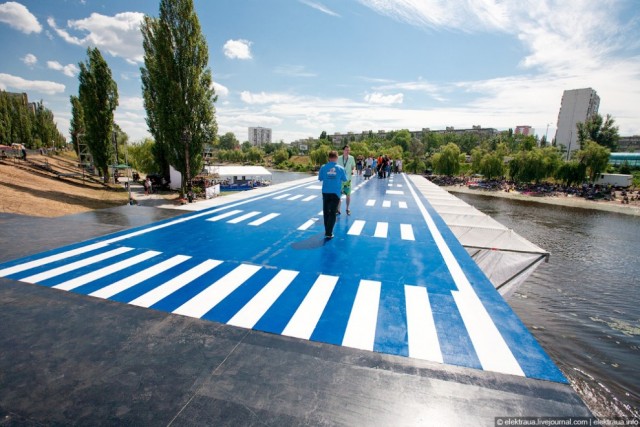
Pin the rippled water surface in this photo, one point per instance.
(583, 306)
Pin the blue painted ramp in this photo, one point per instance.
(394, 279)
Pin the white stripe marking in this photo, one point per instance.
(395, 192)
(308, 198)
(51, 258)
(200, 304)
(421, 328)
(36, 278)
(406, 232)
(264, 219)
(402, 205)
(139, 277)
(253, 311)
(492, 350)
(361, 328)
(166, 289)
(371, 202)
(296, 197)
(224, 215)
(382, 229)
(356, 228)
(105, 271)
(386, 204)
(315, 187)
(243, 217)
(282, 196)
(307, 224)
(308, 314)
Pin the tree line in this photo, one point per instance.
(32, 125)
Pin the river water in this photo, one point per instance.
(583, 306)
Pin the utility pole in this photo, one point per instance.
(186, 140)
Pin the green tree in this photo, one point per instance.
(571, 172)
(228, 141)
(98, 94)
(140, 156)
(320, 155)
(594, 157)
(492, 166)
(447, 161)
(76, 128)
(178, 88)
(603, 132)
(280, 156)
(254, 155)
(402, 138)
(44, 128)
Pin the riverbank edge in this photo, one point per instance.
(566, 201)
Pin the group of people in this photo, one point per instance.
(382, 166)
(336, 176)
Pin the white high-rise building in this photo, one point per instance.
(578, 105)
(259, 136)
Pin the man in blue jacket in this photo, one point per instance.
(332, 176)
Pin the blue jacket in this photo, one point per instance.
(332, 176)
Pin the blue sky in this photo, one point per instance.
(301, 67)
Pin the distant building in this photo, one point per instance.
(629, 144)
(577, 105)
(524, 130)
(259, 136)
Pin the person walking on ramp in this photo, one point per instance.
(332, 176)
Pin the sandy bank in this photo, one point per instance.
(577, 202)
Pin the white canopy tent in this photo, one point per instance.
(503, 255)
(239, 172)
(232, 173)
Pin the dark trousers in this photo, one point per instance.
(329, 211)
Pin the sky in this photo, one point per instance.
(301, 67)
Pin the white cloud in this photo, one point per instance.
(7, 81)
(29, 59)
(567, 45)
(318, 6)
(237, 49)
(220, 89)
(265, 98)
(68, 70)
(135, 103)
(19, 17)
(464, 15)
(119, 34)
(381, 99)
(433, 90)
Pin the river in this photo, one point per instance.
(583, 306)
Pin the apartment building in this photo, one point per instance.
(577, 105)
(259, 136)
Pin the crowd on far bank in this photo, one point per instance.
(586, 190)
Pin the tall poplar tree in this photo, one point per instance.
(177, 88)
(76, 128)
(98, 94)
